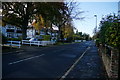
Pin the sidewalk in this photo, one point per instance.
(89, 67)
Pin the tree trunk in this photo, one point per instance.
(24, 26)
(59, 33)
(24, 31)
(25, 22)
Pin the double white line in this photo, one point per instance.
(64, 76)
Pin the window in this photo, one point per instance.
(9, 35)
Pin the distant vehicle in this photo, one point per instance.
(83, 40)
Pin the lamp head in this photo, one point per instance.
(95, 15)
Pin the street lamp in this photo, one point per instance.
(96, 23)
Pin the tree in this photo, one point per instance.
(20, 13)
(4, 38)
(81, 36)
(67, 32)
(39, 23)
(86, 36)
(67, 12)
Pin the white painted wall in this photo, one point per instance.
(13, 34)
(3, 30)
(30, 33)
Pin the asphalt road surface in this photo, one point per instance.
(76, 60)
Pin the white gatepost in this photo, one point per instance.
(30, 43)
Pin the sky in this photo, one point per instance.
(94, 8)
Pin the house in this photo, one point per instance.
(54, 34)
(11, 31)
(31, 32)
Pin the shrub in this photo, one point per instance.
(15, 39)
(110, 31)
(4, 39)
(46, 37)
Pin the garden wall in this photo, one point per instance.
(110, 59)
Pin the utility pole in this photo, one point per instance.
(96, 24)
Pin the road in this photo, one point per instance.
(76, 60)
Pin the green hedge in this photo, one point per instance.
(110, 31)
(4, 39)
(46, 37)
(15, 39)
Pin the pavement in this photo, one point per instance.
(70, 61)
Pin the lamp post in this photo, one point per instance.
(96, 23)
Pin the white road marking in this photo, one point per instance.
(64, 76)
(25, 59)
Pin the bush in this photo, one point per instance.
(70, 39)
(46, 37)
(76, 37)
(110, 31)
(4, 39)
(15, 39)
(97, 42)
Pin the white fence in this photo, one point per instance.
(38, 43)
(80, 40)
(14, 43)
